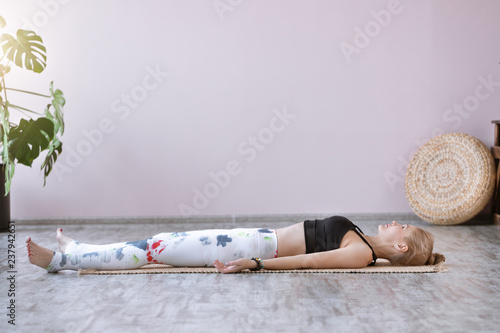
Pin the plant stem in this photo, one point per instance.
(27, 92)
(4, 91)
(21, 108)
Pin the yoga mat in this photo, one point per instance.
(380, 267)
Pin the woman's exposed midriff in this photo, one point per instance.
(291, 240)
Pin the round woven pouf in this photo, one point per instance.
(450, 179)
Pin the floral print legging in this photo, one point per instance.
(197, 248)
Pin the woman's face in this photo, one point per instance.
(395, 232)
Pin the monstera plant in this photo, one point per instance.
(23, 141)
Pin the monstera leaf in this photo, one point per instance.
(7, 161)
(26, 51)
(29, 138)
(58, 102)
(4, 130)
(55, 149)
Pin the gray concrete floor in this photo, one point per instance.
(464, 299)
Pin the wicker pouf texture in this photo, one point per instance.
(450, 179)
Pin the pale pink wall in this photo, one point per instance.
(341, 93)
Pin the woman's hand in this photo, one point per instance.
(234, 266)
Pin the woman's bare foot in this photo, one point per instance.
(63, 240)
(38, 255)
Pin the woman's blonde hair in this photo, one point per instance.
(420, 244)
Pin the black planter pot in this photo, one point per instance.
(4, 203)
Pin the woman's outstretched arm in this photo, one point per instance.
(353, 256)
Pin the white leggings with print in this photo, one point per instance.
(189, 249)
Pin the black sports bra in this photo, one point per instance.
(326, 235)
